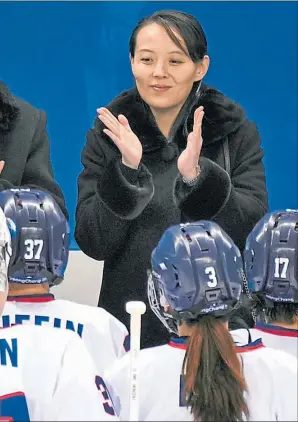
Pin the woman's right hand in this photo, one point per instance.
(121, 134)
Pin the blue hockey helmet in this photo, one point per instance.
(39, 236)
(196, 270)
(271, 257)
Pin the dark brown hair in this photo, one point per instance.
(213, 379)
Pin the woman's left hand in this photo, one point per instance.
(2, 164)
(189, 158)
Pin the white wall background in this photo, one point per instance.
(82, 280)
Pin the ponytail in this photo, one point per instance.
(213, 380)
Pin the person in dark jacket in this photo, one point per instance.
(24, 147)
(182, 152)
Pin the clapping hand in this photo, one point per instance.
(121, 134)
(2, 164)
(188, 159)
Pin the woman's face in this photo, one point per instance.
(164, 74)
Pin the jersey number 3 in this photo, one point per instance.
(107, 404)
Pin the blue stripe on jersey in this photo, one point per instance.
(250, 346)
(276, 330)
(126, 343)
(178, 340)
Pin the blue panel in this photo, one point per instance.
(71, 57)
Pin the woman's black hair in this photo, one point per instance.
(186, 25)
(273, 312)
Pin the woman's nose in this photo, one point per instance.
(160, 70)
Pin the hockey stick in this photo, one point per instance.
(135, 309)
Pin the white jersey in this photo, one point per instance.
(105, 337)
(267, 373)
(50, 373)
(273, 336)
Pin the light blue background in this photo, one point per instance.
(69, 58)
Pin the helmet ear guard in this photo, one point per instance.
(158, 303)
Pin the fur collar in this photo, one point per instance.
(9, 110)
(222, 117)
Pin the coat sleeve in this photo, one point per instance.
(38, 171)
(110, 195)
(235, 202)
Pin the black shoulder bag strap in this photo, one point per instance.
(226, 152)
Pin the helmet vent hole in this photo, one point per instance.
(188, 238)
(296, 227)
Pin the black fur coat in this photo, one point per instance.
(24, 146)
(122, 213)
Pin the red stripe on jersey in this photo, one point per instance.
(182, 346)
(31, 298)
(16, 394)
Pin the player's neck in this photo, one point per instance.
(185, 330)
(27, 289)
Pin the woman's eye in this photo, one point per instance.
(176, 61)
(146, 60)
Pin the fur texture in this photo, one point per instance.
(9, 111)
(222, 117)
(122, 213)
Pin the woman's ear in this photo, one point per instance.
(132, 60)
(202, 68)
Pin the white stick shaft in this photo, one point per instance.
(135, 334)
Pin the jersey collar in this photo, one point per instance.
(276, 330)
(180, 343)
(47, 297)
